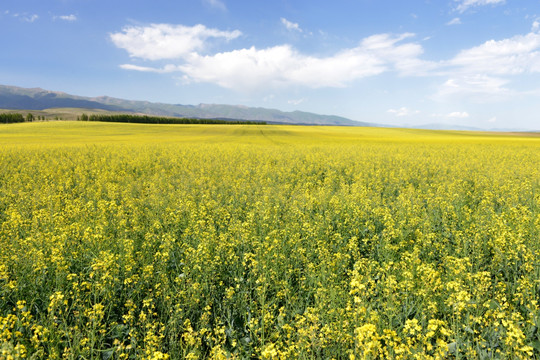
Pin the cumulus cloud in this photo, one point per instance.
(482, 73)
(289, 25)
(463, 5)
(283, 65)
(515, 55)
(277, 66)
(403, 111)
(164, 41)
(403, 57)
(251, 68)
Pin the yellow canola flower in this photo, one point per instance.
(145, 241)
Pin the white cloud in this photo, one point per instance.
(30, 18)
(283, 65)
(452, 115)
(26, 17)
(466, 4)
(216, 4)
(454, 21)
(515, 55)
(164, 41)
(404, 58)
(69, 18)
(482, 73)
(276, 66)
(295, 101)
(403, 111)
(290, 25)
(492, 120)
(165, 69)
(477, 88)
(458, 114)
(252, 68)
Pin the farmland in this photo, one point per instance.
(125, 241)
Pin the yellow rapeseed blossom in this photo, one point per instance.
(128, 241)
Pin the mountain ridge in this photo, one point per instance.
(19, 98)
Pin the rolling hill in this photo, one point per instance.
(17, 98)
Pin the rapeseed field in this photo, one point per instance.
(124, 241)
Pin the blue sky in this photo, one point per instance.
(465, 62)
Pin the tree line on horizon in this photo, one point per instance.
(145, 119)
(9, 118)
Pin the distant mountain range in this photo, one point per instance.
(15, 98)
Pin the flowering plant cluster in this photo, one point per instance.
(272, 242)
